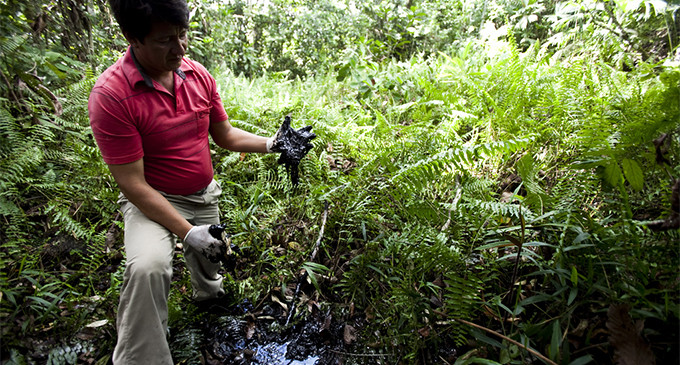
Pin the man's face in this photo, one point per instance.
(162, 50)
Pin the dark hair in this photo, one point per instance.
(136, 16)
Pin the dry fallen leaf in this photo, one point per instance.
(424, 331)
(278, 301)
(629, 347)
(96, 324)
(250, 329)
(350, 334)
(326, 323)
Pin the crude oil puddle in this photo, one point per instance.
(275, 354)
(261, 338)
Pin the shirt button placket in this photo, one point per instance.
(178, 100)
(179, 105)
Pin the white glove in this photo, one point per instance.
(200, 239)
(270, 143)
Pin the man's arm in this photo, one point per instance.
(130, 179)
(234, 139)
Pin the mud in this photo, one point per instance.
(293, 144)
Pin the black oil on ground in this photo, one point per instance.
(243, 335)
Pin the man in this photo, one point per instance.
(151, 114)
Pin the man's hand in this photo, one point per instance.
(200, 238)
(293, 144)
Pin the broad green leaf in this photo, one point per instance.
(582, 360)
(629, 6)
(659, 7)
(577, 247)
(612, 174)
(582, 236)
(42, 301)
(574, 276)
(525, 167)
(404, 107)
(633, 174)
(572, 295)
(555, 340)
(536, 299)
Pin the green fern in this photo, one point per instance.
(62, 217)
(7, 207)
(9, 45)
(94, 256)
(456, 159)
(462, 301)
(497, 209)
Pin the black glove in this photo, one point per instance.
(293, 144)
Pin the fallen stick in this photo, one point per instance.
(353, 354)
(302, 277)
(323, 227)
(536, 353)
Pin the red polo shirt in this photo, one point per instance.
(134, 117)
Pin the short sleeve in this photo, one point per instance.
(114, 129)
(217, 112)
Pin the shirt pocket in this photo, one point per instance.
(202, 123)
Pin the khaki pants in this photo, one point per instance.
(142, 320)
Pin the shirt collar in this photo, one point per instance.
(137, 74)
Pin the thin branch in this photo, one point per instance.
(454, 202)
(359, 355)
(302, 277)
(323, 226)
(532, 351)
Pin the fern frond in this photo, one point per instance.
(8, 208)
(478, 187)
(462, 301)
(430, 169)
(272, 179)
(96, 253)
(251, 127)
(9, 45)
(61, 217)
(497, 209)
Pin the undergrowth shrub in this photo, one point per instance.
(468, 188)
(56, 199)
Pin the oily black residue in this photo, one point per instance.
(259, 338)
(227, 251)
(293, 144)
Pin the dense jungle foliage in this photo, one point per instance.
(502, 176)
